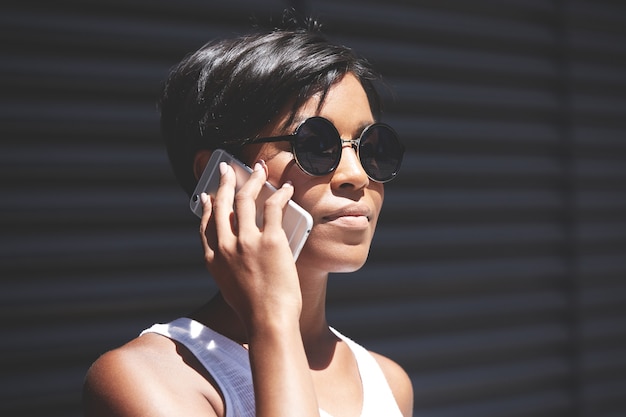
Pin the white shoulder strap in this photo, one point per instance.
(378, 399)
(225, 360)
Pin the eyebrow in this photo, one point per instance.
(363, 126)
(299, 119)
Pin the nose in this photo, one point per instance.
(349, 172)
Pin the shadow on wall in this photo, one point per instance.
(495, 277)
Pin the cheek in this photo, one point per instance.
(308, 190)
(281, 167)
(309, 196)
(377, 194)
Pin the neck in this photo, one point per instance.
(218, 315)
(313, 323)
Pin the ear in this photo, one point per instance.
(199, 162)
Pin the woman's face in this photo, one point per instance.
(345, 204)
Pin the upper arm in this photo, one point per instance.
(123, 384)
(108, 385)
(399, 382)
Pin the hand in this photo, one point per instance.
(253, 266)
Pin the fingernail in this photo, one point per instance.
(258, 166)
(223, 168)
(204, 198)
(287, 184)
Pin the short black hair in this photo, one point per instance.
(229, 90)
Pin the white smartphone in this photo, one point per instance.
(297, 222)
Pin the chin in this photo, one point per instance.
(347, 268)
(338, 258)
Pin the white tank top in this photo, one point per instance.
(229, 364)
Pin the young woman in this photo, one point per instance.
(262, 346)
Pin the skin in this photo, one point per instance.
(270, 305)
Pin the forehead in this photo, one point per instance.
(345, 104)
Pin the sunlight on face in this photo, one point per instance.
(345, 204)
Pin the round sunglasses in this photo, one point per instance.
(316, 146)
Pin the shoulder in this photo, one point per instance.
(148, 376)
(399, 382)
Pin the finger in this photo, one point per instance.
(245, 199)
(223, 205)
(274, 207)
(208, 235)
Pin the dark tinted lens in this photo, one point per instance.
(317, 147)
(380, 152)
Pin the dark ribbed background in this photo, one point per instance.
(497, 275)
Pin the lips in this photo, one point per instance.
(353, 210)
